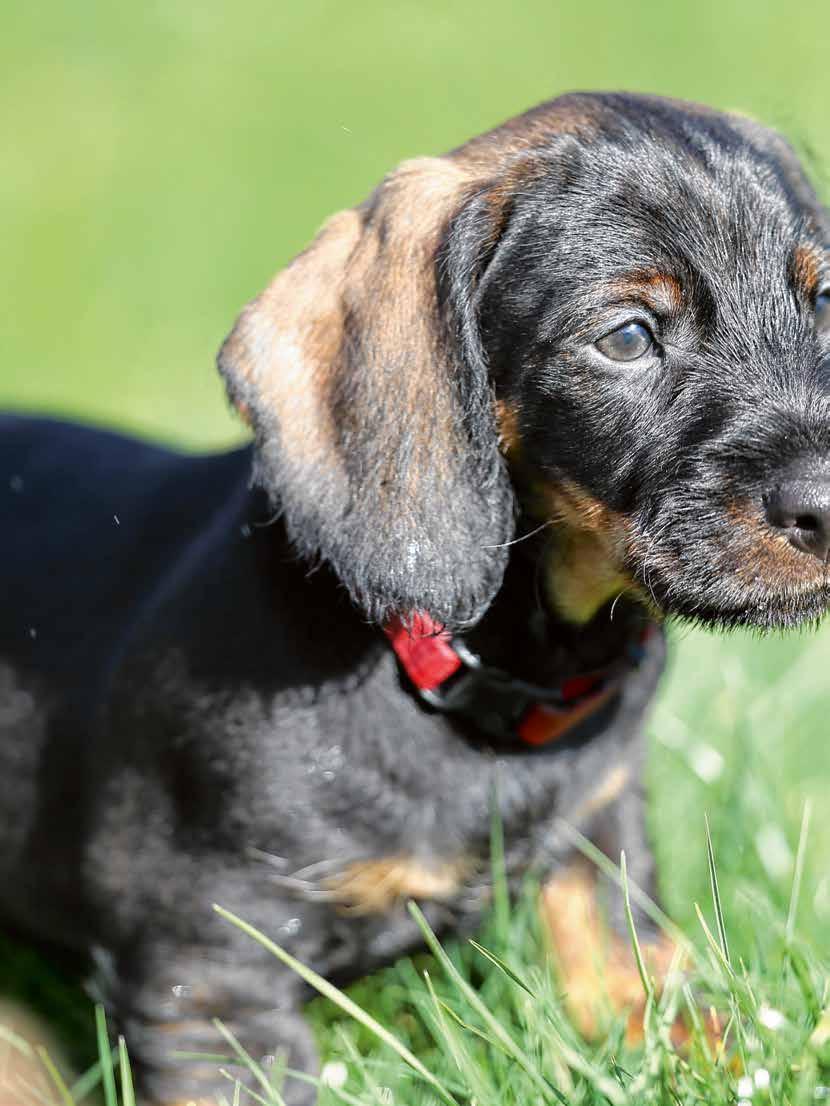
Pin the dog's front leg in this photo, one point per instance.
(585, 914)
(165, 999)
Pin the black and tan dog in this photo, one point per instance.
(221, 678)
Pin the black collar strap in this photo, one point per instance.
(452, 679)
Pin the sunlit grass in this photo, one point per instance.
(483, 1022)
(489, 1025)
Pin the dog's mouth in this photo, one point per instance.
(722, 566)
(731, 568)
(713, 559)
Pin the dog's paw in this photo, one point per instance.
(596, 965)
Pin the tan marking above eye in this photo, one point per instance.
(661, 292)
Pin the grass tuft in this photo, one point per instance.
(489, 1025)
(485, 1025)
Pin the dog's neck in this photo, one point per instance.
(520, 676)
(522, 633)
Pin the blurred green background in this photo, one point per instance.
(161, 160)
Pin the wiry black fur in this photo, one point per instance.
(189, 715)
(742, 391)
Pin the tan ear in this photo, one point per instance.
(375, 432)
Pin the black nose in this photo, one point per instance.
(801, 510)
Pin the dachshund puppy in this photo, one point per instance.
(525, 401)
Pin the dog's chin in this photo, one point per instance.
(730, 605)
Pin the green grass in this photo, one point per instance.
(161, 160)
(488, 1024)
(483, 1022)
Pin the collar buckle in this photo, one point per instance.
(498, 702)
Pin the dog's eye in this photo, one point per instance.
(633, 340)
(823, 310)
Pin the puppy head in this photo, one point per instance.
(613, 304)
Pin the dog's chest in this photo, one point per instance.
(385, 792)
(378, 834)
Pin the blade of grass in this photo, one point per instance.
(127, 1093)
(343, 1001)
(713, 944)
(276, 1075)
(500, 964)
(747, 982)
(550, 1092)
(244, 1057)
(476, 1074)
(713, 880)
(798, 871)
(87, 1082)
(304, 1077)
(471, 1029)
(54, 1074)
(801, 971)
(698, 1034)
(248, 1090)
(18, 1043)
(365, 1070)
(105, 1057)
(638, 896)
(632, 932)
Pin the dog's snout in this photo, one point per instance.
(800, 508)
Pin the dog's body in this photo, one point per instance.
(128, 810)
(192, 712)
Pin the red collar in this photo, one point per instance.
(452, 679)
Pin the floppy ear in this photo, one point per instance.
(359, 370)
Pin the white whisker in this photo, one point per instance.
(523, 537)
